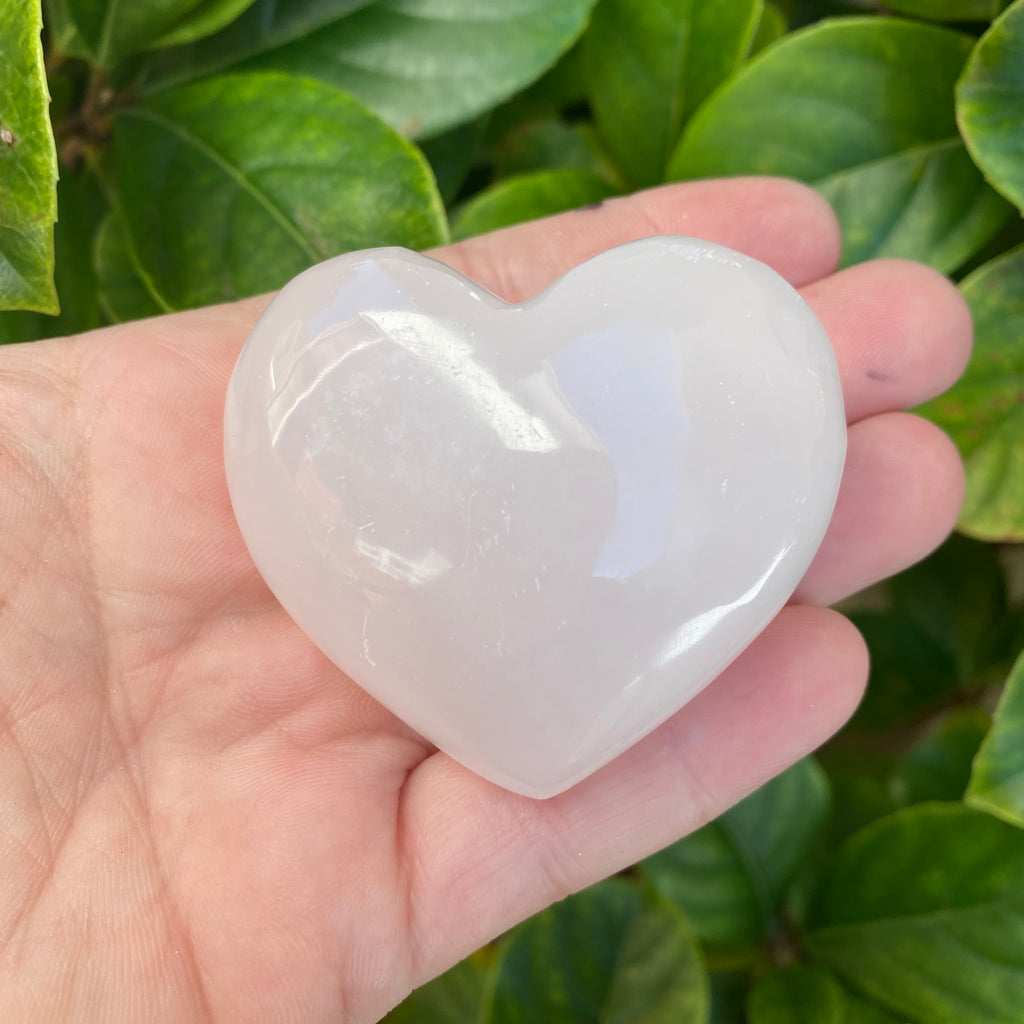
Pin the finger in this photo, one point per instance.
(780, 222)
(488, 858)
(901, 492)
(901, 333)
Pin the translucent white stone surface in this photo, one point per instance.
(535, 531)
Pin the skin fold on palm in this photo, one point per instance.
(203, 819)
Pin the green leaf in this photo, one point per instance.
(79, 208)
(659, 975)
(910, 672)
(730, 878)
(797, 995)
(114, 29)
(948, 10)
(123, 291)
(548, 145)
(990, 104)
(233, 185)
(997, 781)
(557, 90)
(649, 66)
(603, 956)
(771, 26)
(423, 65)
(451, 155)
(862, 108)
(860, 783)
(928, 204)
(459, 996)
(1009, 236)
(938, 766)
(729, 990)
(858, 1010)
(957, 595)
(949, 628)
(28, 165)
(924, 912)
(204, 20)
(265, 25)
(984, 412)
(64, 36)
(809, 994)
(527, 197)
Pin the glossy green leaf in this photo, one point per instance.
(603, 956)
(459, 996)
(948, 10)
(730, 878)
(264, 26)
(209, 17)
(924, 912)
(233, 185)
(997, 781)
(729, 989)
(990, 103)
(949, 629)
(425, 65)
(984, 412)
(1009, 236)
(79, 208)
(124, 292)
(64, 36)
(547, 145)
(938, 766)
(770, 27)
(928, 204)
(797, 995)
(910, 672)
(957, 596)
(861, 790)
(557, 90)
(862, 108)
(863, 1010)
(28, 165)
(810, 994)
(659, 975)
(452, 153)
(650, 65)
(527, 197)
(114, 29)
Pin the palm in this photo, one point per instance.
(206, 819)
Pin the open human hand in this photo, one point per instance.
(201, 818)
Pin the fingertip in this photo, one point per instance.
(947, 464)
(901, 331)
(781, 222)
(902, 489)
(932, 320)
(925, 459)
(809, 667)
(795, 212)
(848, 675)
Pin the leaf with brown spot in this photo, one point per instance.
(28, 165)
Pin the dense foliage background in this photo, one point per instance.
(211, 149)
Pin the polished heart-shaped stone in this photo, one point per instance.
(534, 531)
